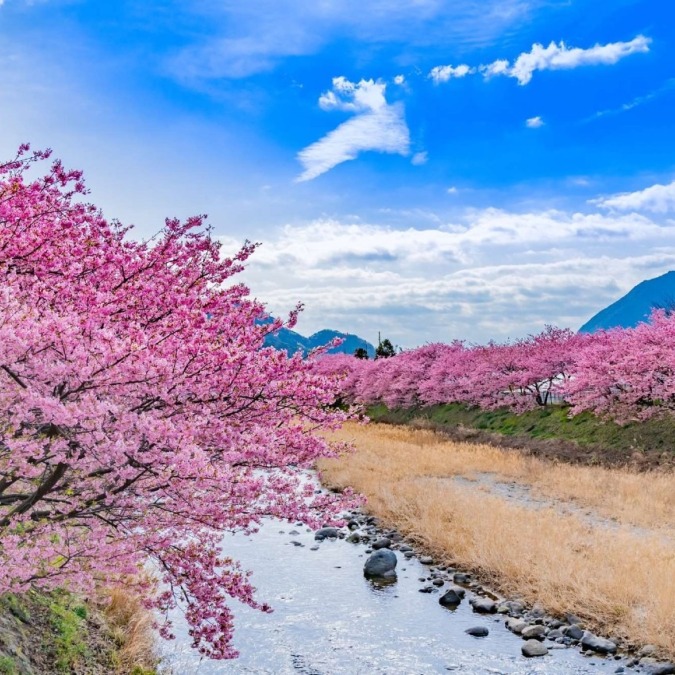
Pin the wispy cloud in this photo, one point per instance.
(444, 73)
(561, 57)
(668, 85)
(234, 39)
(420, 158)
(656, 199)
(534, 122)
(376, 126)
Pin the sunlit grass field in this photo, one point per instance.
(600, 542)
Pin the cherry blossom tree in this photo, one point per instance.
(627, 374)
(140, 415)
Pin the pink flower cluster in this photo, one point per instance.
(140, 416)
(623, 374)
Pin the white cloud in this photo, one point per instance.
(352, 97)
(420, 158)
(440, 281)
(561, 57)
(452, 190)
(399, 79)
(534, 122)
(657, 199)
(444, 73)
(377, 126)
(498, 67)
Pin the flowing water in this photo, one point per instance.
(330, 620)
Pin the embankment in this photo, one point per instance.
(594, 541)
(58, 632)
(547, 432)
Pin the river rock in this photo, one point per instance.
(451, 598)
(484, 605)
(478, 631)
(597, 644)
(381, 563)
(573, 631)
(404, 548)
(647, 650)
(438, 582)
(511, 607)
(326, 533)
(554, 634)
(534, 648)
(460, 578)
(383, 542)
(533, 632)
(427, 560)
(573, 618)
(516, 625)
(659, 668)
(354, 538)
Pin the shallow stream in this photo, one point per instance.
(330, 620)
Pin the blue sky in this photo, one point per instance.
(431, 170)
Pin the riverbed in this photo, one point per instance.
(330, 620)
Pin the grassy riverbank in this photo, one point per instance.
(548, 432)
(597, 542)
(58, 632)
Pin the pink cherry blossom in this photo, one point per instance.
(141, 416)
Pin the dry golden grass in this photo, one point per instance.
(621, 580)
(131, 627)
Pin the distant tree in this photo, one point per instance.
(385, 349)
(361, 353)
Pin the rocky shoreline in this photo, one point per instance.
(541, 632)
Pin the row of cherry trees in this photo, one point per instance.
(623, 374)
(140, 415)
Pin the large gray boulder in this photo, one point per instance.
(658, 668)
(483, 605)
(452, 598)
(534, 648)
(381, 563)
(597, 644)
(574, 631)
(534, 632)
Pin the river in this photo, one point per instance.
(330, 620)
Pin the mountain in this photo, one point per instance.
(636, 305)
(293, 342)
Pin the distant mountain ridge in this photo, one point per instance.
(293, 342)
(636, 306)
